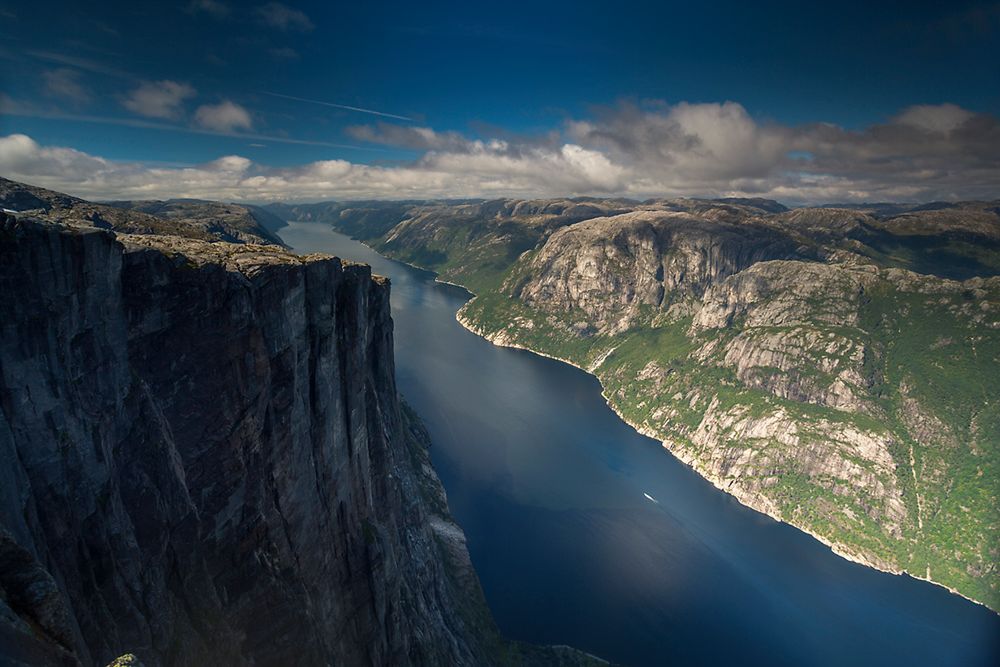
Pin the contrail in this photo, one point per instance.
(337, 106)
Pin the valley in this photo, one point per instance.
(831, 367)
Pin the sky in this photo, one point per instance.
(297, 101)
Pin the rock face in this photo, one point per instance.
(608, 269)
(205, 462)
(834, 367)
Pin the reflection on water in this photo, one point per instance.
(551, 489)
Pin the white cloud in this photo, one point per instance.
(921, 154)
(925, 152)
(283, 17)
(159, 99)
(223, 117)
(21, 155)
(483, 172)
(689, 142)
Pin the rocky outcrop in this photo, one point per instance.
(610, 268)
(205, 461)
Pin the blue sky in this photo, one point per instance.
(171, 85)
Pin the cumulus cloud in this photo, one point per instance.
(64, 83)
(692, 143)
(920, 154)
(19, 154)
(283, 17)
(223, 117)
(925, 151)
(159, 99)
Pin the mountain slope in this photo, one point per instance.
(835, 368)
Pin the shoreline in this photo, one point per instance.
(837, 549)
(743, 499)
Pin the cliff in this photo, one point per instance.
(206, 462)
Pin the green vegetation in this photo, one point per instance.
(942, 378)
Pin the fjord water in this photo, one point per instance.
(553, 491)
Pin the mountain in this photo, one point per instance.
(227, 222)
(205, 459)
(187, 218)
(836, 368)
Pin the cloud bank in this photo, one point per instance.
(923, 153)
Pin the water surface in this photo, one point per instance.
(550, 487)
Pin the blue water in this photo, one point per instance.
(549, 486)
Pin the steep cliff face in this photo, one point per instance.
(206, 462)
